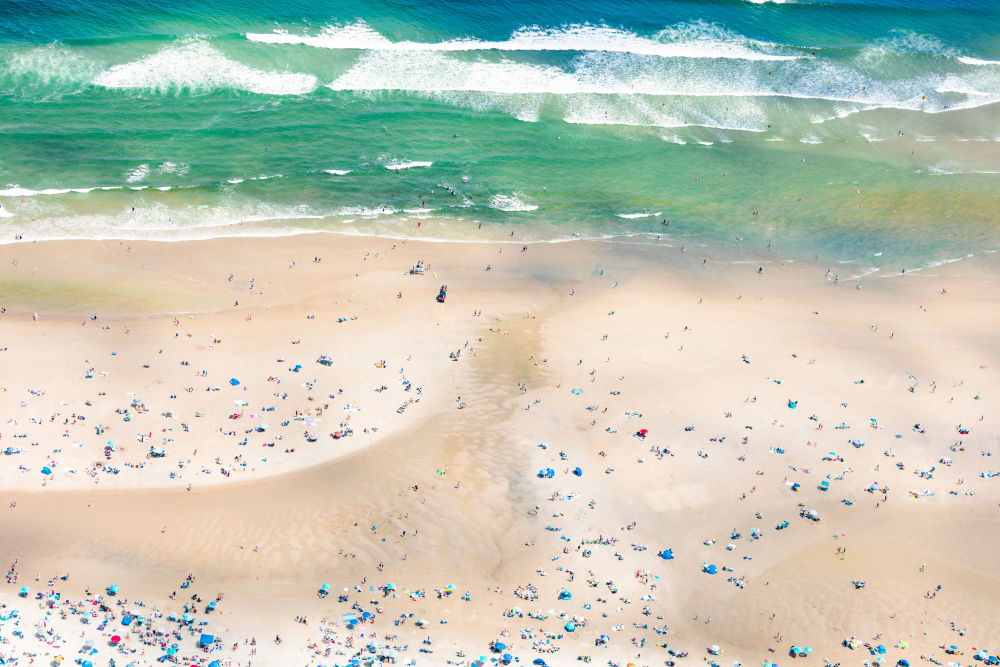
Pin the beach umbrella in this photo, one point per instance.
(539, 662)
(366, 614)
(903, 663)
(499, 646)
(234, 382)
(46, 470)
(667, 554)
(570, 627)
(86, 663)
(391, 586)
(24, 591)
(578, 472)
(127, 620)
(325, 587)
(188, 618)
(215, 663)
(711, 569)
(714, 648)
(112, 589)
(171, 650)
(115, 639)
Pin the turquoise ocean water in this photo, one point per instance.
(866, 131)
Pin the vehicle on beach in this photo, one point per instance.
(441, 294)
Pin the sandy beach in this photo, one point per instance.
(590, 451)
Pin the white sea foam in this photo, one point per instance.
(686, 40)
(17, 191)
(234, 181)
(968, 60)
(672, 138)
(366, 211)
(50, 63)
(169, 167)
(633, 216)
(511, 202)
(908, 41)
(617, 88)
(338, 172)
(4, 213)
(193, 64)
(399, 165)
(137, 174)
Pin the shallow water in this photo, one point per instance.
(864, 131)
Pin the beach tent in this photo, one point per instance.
(903, 663)
(710, 569)
(565, 595)
(234, 382)
(824, 485)
(667, 554)
(539, 662)
(350, 619)
(206, 639)
(578, 472)
(127, 620)
(46, 470)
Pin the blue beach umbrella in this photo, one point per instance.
(113, 589)
(234, 382)
(711, 569)
(667, 554)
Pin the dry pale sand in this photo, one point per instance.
(555, 358)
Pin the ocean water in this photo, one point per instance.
(867, 131)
